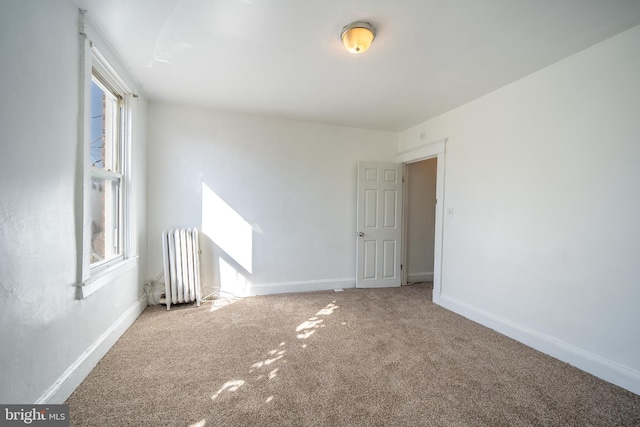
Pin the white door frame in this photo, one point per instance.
(435, 149)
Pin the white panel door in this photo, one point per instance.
(379, 225)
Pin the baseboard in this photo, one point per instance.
(301, 286)
(592, 363)
(78, 371)
(420, 277)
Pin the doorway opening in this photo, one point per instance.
(420, 220)
(425, 151)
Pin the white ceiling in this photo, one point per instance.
(284, 58)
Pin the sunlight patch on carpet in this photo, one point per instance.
(329, 309)
(219, 303)
(229, 386)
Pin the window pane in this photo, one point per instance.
(105, 193)
(105, 219)
(104, 137)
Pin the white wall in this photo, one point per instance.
(49, 338)
(421, 219)
(292, 183)
(543, 177)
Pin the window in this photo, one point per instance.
(108, 250)
(105, 157)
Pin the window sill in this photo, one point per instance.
(105, 276)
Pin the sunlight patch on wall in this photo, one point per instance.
(228, 230)
(232, 281)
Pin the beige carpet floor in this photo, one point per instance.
(378, 357)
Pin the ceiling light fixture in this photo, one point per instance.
(357, 36)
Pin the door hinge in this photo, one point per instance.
(400, 266)
(403, 178)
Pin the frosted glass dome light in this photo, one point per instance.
(357, 36)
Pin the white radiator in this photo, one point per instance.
(181, 266)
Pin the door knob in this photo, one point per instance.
(360, 234)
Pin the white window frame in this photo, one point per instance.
(111, 171)
(93, 277)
